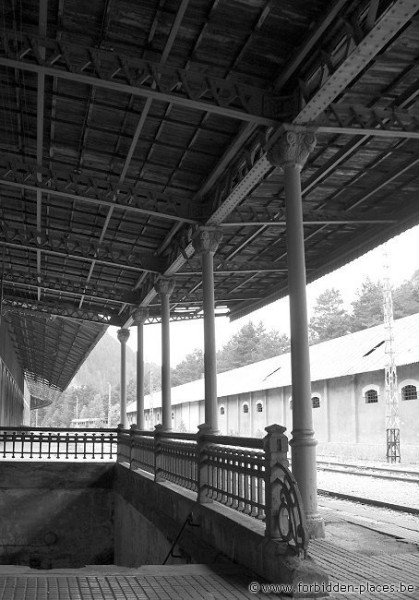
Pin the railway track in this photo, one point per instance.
(373, 473)
(369, 501)
(368, 471)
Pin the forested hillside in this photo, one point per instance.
(103, 364)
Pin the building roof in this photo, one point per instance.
(359, 352)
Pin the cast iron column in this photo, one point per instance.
(164, 288)
(291, 152)
(123, 335)
(206, 243)
(139, 316)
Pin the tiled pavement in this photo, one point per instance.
(363, 547)
(181, 582)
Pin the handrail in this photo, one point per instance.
(188, 521)
(28, 428)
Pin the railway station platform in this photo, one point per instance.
(369, 553)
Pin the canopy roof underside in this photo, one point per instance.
(125, 125)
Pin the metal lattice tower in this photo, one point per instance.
(390, 393)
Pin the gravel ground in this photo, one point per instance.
(397, 492)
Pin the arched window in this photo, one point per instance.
(259, 407)
(409, 392)
(371, 396)
(290, 403)
(222, 410)
(245, 408)
(315, 401)
(173, 415)
(146, 416)
(158, 417)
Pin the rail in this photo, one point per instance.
(249, 475)
(42, 443)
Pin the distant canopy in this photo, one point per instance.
(42, 393)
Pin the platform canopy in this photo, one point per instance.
(125, 125)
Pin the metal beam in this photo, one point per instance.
(25, 307)
(40, 107)
(124, 74)
(159, 205)
(333, 11)
(13, 283)
(353, 119)
(149, 264)
(232, 271)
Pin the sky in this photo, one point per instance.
(185, 336)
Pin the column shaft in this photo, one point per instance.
(124, 419)
(210, 356)
(303, 442)
(140, 376)
(123, 335)
(165, 365)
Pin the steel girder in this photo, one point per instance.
(51, 310)
(353, 119)
(57, 286)
(66, 248)
(82, 188)
(118, 72)
(248, 216)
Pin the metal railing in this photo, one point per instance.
(249, 475)
(42, 443)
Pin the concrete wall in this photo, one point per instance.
(55, 515)
(12, 405)
(148, 517)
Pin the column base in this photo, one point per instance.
(316, 527)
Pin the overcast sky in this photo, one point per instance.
(403, 252)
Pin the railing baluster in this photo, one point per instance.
(31, 444)
(13, 444)
(49, 445)
(22, 444)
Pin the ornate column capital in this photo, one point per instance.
(207, 239)
(292, 148)
(164, 286)
(123, 335)
(139, 316)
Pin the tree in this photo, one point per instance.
(367, 309)
(406, 297)
(250, 344)
(190, 369)
(330, 318)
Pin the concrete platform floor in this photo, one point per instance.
(365, 548)
(373, 550)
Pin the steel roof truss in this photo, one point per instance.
(115, 71)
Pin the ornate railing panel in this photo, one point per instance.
(177, 461)
(236, 478)
(58, 444)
